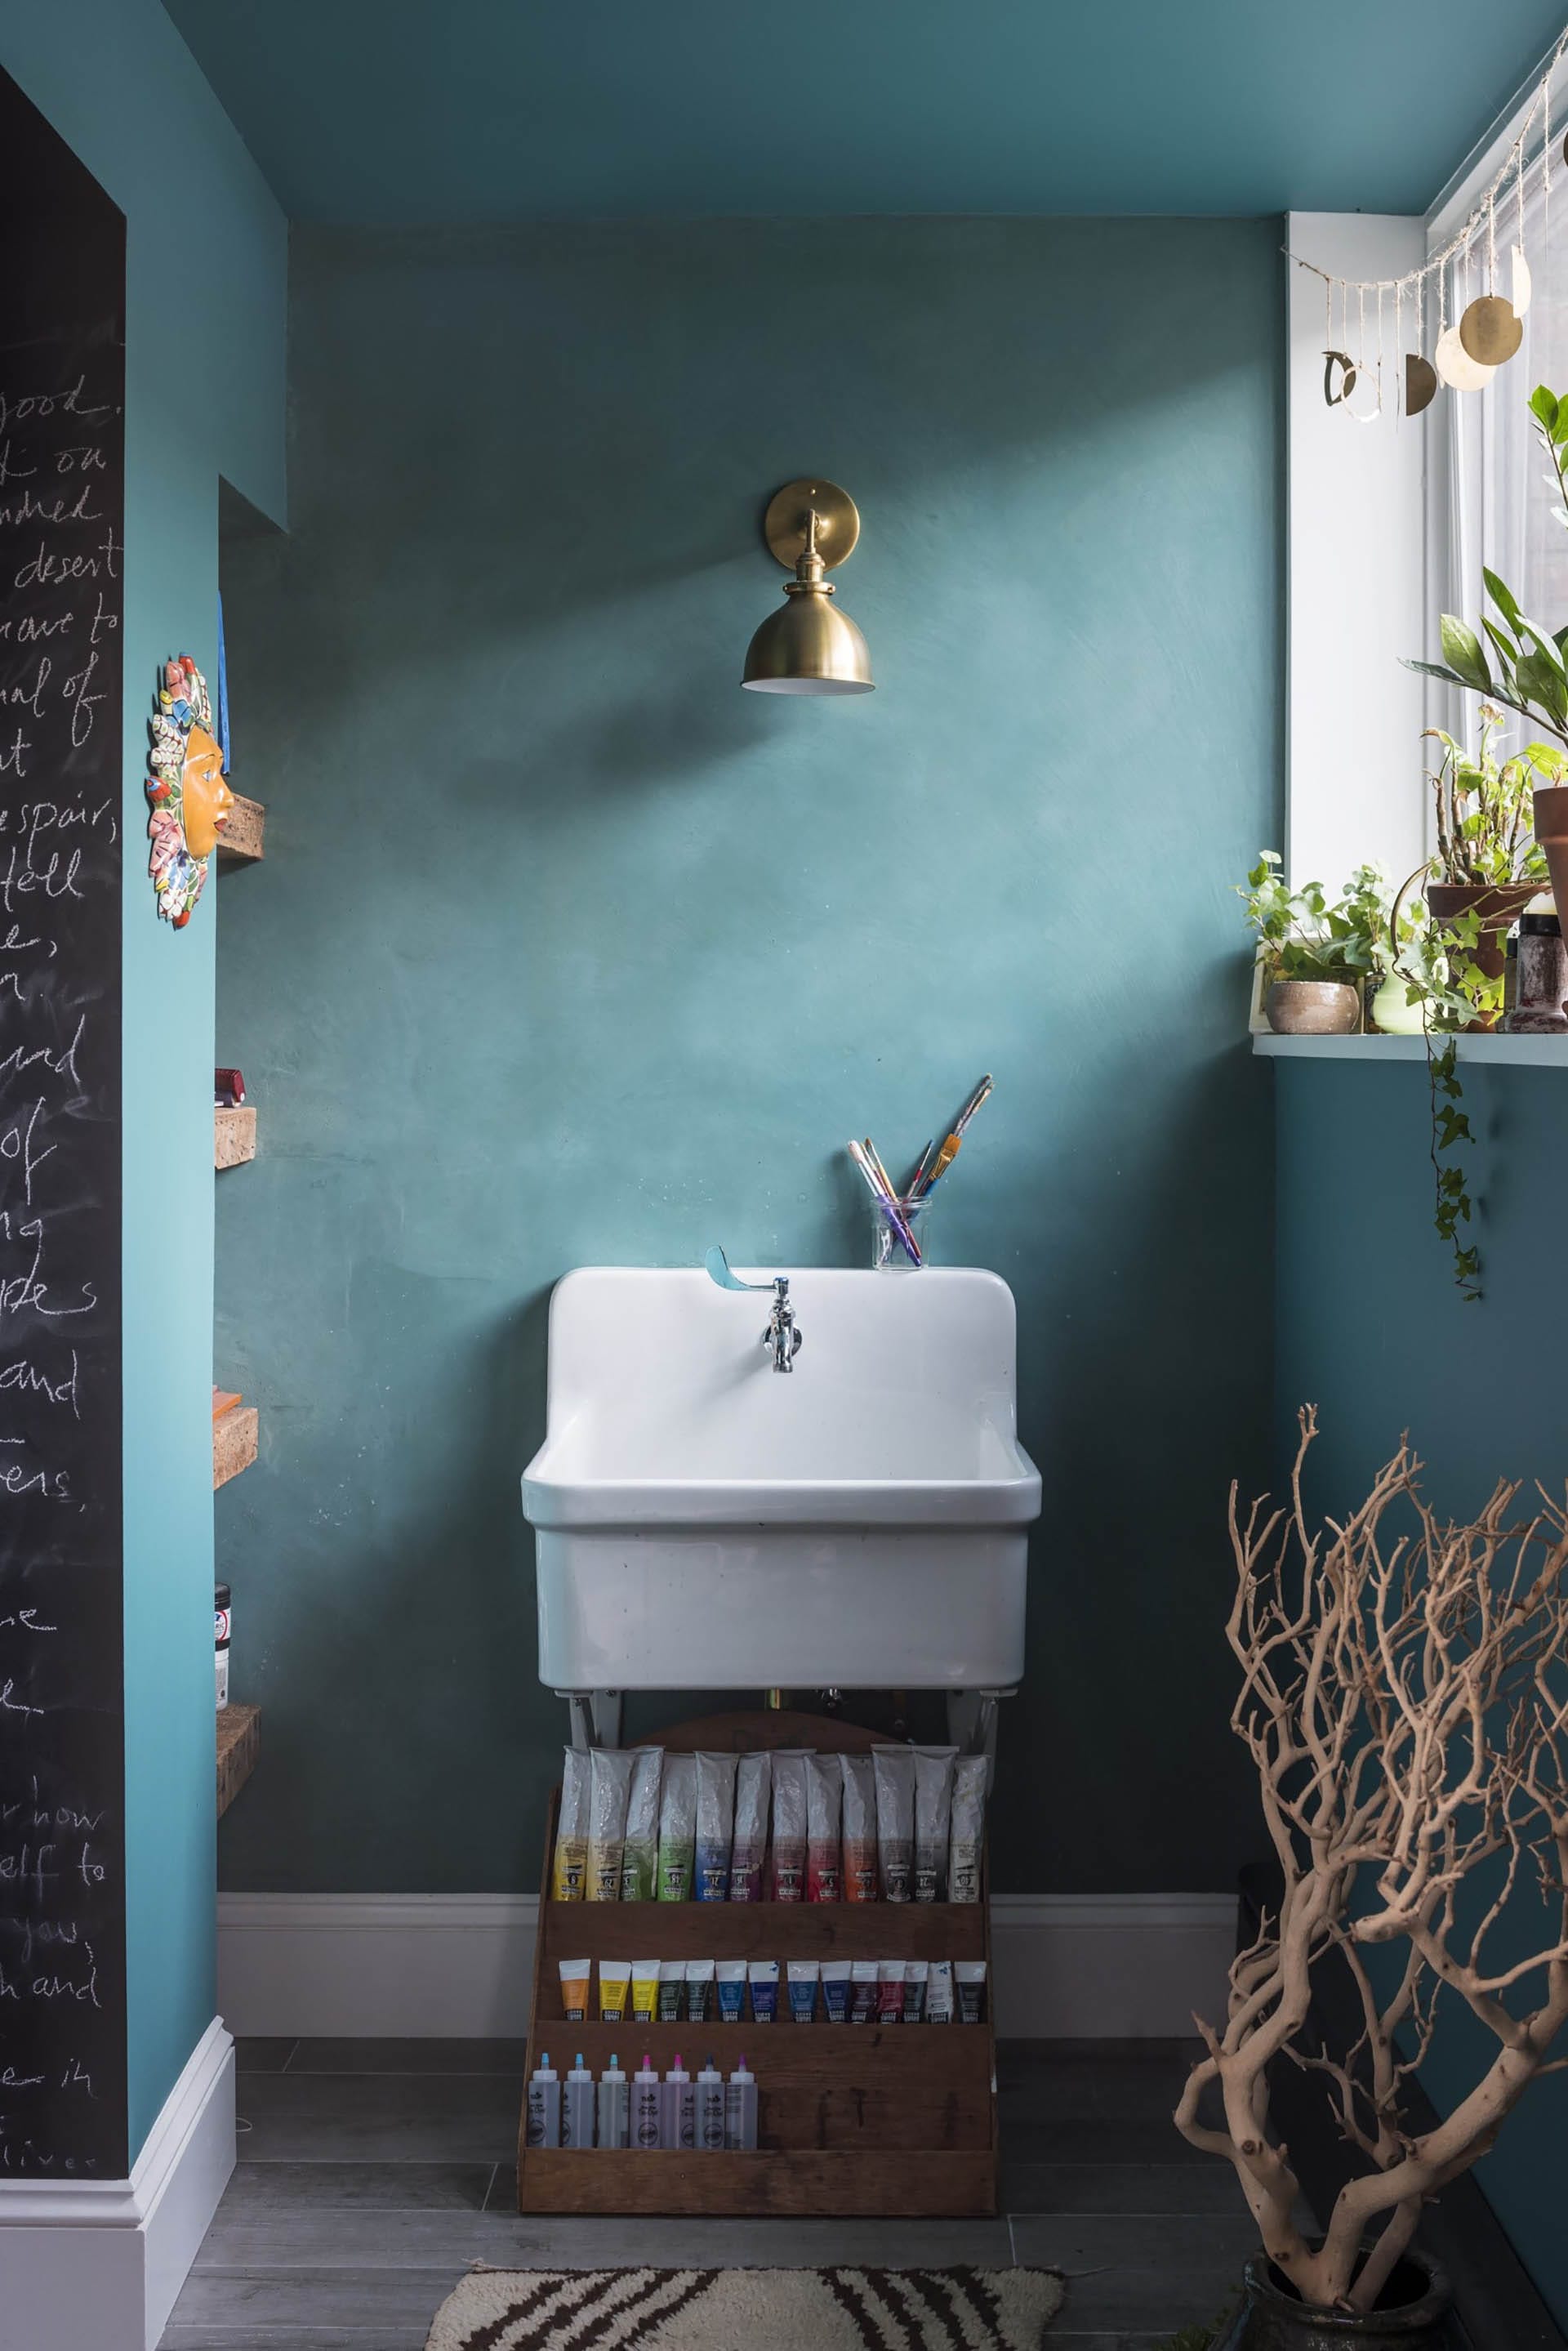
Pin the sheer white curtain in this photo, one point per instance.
(1490, 483)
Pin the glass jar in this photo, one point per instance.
(888, 1254)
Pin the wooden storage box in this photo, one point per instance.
(852, 2118)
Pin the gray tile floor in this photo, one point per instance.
(373, 2173)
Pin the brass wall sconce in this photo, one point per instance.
(810, 647)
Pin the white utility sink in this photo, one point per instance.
(703, 1522)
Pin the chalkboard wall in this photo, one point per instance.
(62, 522)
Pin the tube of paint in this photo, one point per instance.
(939, 1992)
(933, 1820)
(968, 1829)
(859, 1828)
(824, 1805)
(803, 1977)
(571, 1861)
(789, 1827)
(715, 1825)
(578, 2106)
(915, 1974)
(763, 1975)
(732, 1983)
(640, 1858)
(698, 1990)
(672, 1990)
(677, 2114)
(970, 1974)
(575, 1975)
(609, 1785)
(614, 2105)
(754, 1786)
(895, 1773)
(836, 1991)
(647, 2105)
(889, 1992)
(615, 1977)
(740, 2108)
(542, 2128)
(677, 1828)
(644, 1991)
(711, 2109)
(863, 1991)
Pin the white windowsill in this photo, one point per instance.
(1544, 1052)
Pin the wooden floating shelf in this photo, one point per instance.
(234, 1135)
(240, 841)
(239, 1745)
(840, 2181)
(236, 1435)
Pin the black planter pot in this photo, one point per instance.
(1273, 2318)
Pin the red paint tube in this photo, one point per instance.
(823, 1796)
(890, 1991)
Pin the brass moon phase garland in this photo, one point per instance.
(1488, 327)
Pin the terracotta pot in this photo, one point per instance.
(1273, 2316)
(1552, 832)
(1312, 1008)
(1497, 904)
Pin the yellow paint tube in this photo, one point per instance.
(615, 1975)
(644, 1991)
(570, 1867)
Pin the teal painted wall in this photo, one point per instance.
(1371, 1329)
(565, 950)
(206, 303)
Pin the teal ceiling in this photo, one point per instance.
(400, 111)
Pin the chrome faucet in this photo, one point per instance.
(783, 1333)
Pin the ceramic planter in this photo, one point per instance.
(1497, 904)
(1312, 1008)
(1273, 2318)
(1552, 832)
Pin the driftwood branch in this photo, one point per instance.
(1404, 1699)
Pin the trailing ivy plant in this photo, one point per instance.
(1441, 975)
(1304, 936)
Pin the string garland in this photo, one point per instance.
(1487, 328)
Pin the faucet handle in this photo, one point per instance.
(717, 1266)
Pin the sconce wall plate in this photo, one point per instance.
(809, 646)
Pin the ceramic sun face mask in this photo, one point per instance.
(189, 800)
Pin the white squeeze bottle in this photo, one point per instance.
(578, 2106)
(741, 2107)
(679, 2111)
(711, 2109)
(646, 2100)
(615, 2105)
(543, 2105)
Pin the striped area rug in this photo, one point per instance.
(748, 2310)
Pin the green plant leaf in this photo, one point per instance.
(1544, 407)
(1501, 595)
(1434, 669)
(1462, 652)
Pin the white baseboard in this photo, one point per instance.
(458, 1965)
(99, 2262)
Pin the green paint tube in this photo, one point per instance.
(639, 1860)
(677, 1829)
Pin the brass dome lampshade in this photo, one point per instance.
(809, 647)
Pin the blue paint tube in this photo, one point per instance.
(732, 1990)
(715, 1825)
(764, 1978)
(803, 1974)
(836, 1991)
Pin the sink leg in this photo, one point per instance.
(972, 1724)
(594, 1717)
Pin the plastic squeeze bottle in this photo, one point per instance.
(680, 2114)
(543, 2105)
(711, 2109)
(615, 2105)
(578, 2106)
(741, 2107)
(646, 2103)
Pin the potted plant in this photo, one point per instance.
(1487, 865)
(1315, 956)
(1526, 670)
(1405, 1703)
